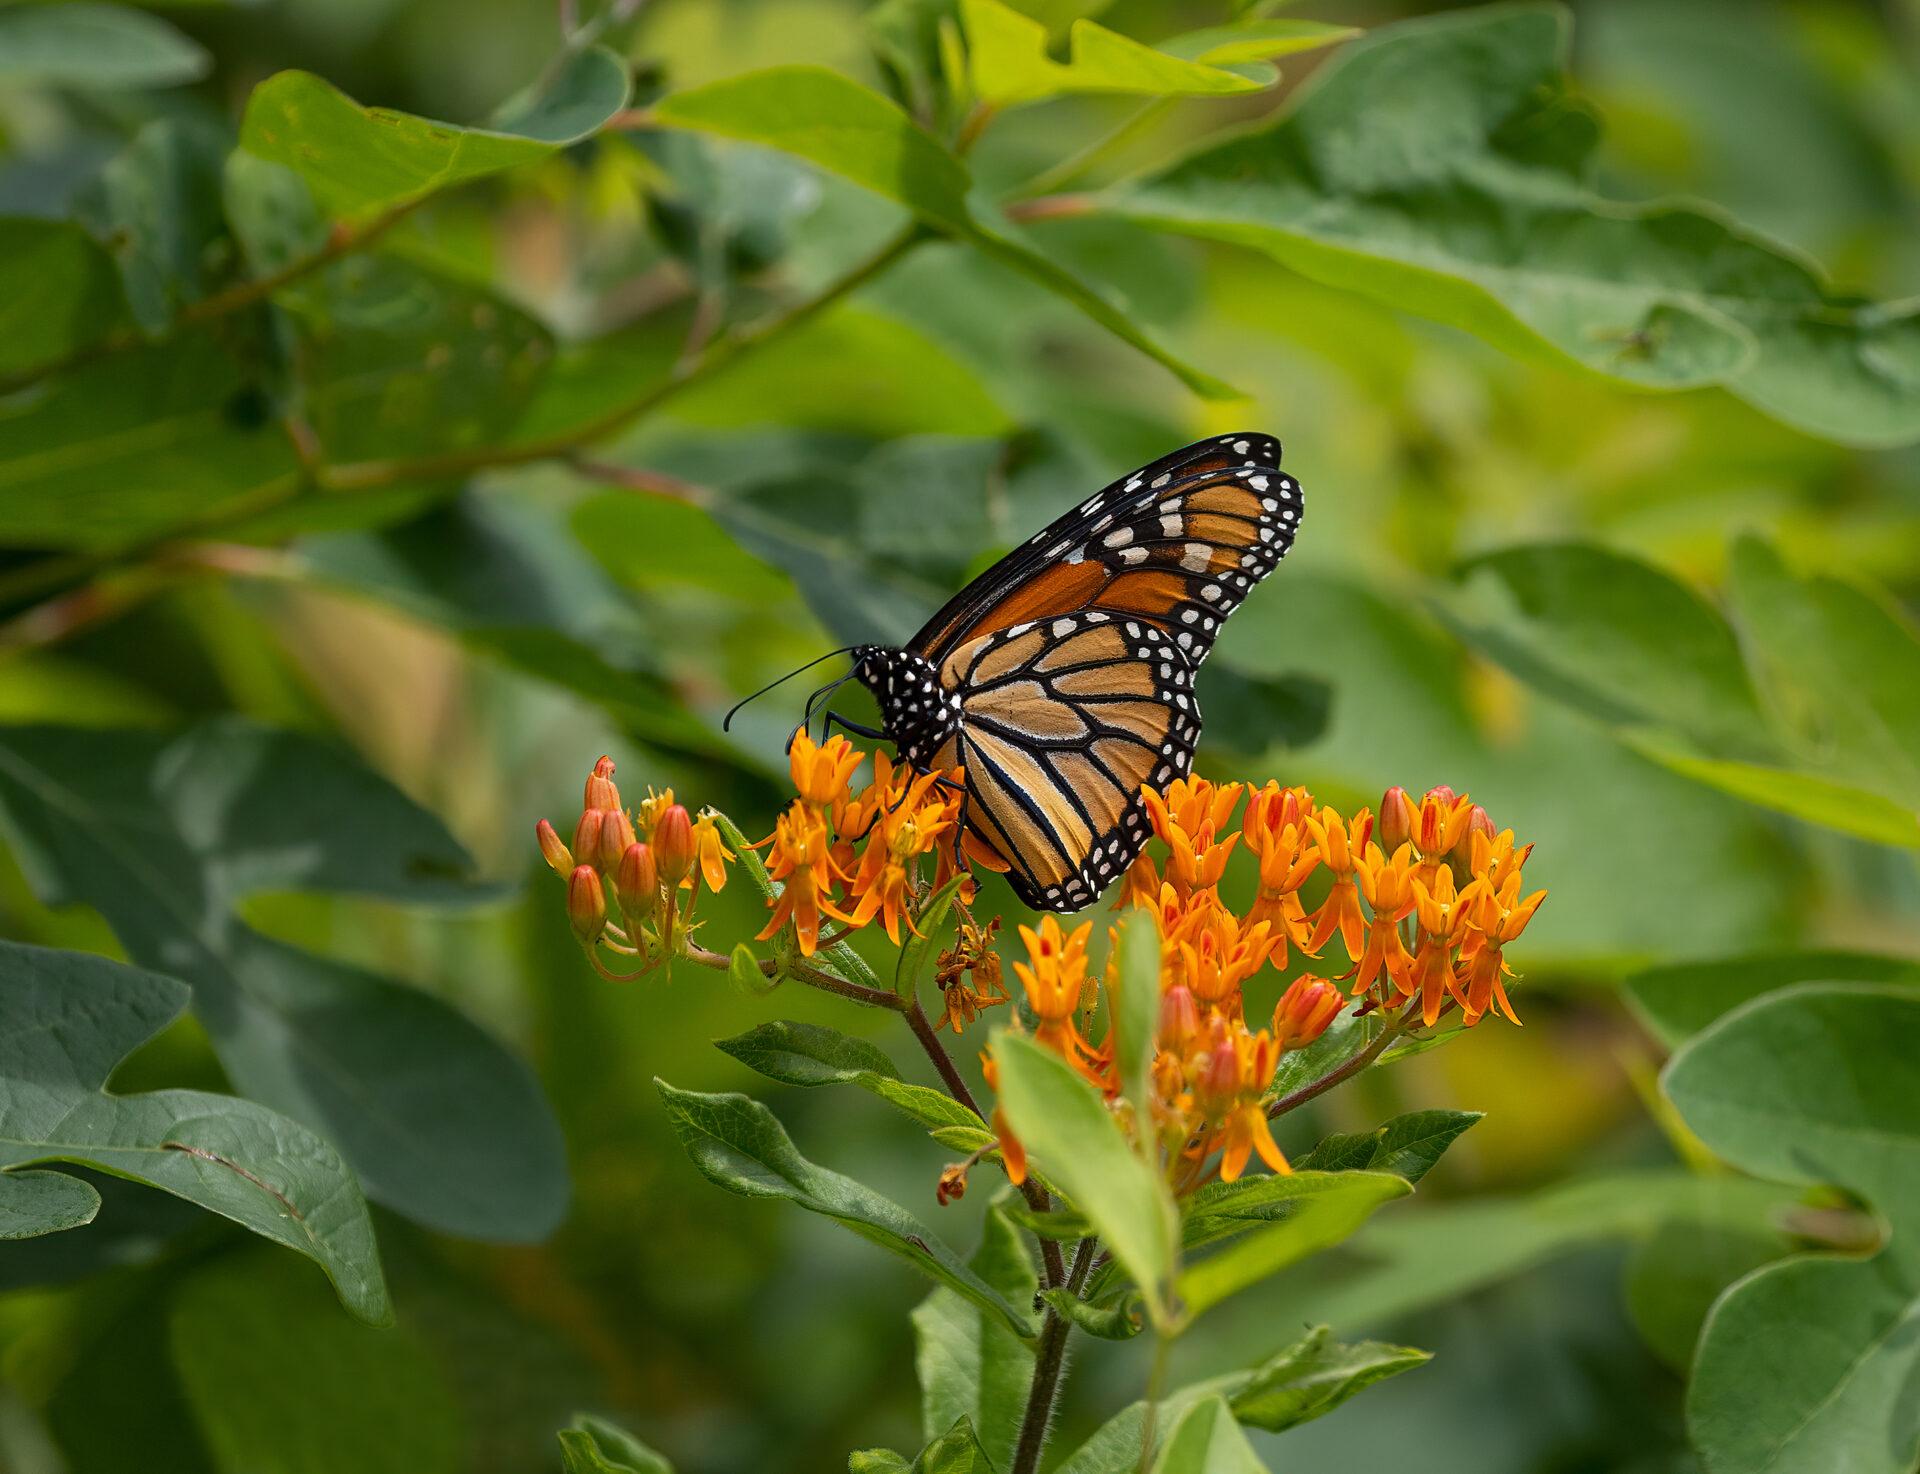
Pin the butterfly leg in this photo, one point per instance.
(826, 728)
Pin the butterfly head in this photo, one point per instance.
(917, 712)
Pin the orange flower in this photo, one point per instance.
(1055, 977)
(1493, 919)
(889, 866)
(820, 772)
(1439, 826)
(1012, 1154)
(1388, 886)
(968, 976)
(1341, 844)
(1304, 1011)
(1442, 921)
(800, 858)
(1187, 820)
(1215, 952)
(1232, 1080)
(710, 855)
(1275, 829)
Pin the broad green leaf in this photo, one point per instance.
(596, 1446)
(1813, 1085)
(1222, 1210)
(58, 290)
(1680, 999)
(737, 1144)
(1797, 793)
(1389, 176)
(848, 130)
(1133, 998)
(1314, 1376)
(105, 46)
(1615, 636)
(156, 206)
(361, 161)
(274, 217)
(813, 1054)
(35, 1203)
(968, 1363)
(1256, 40)
(140, 444)
(1066, 1127)
(281, 1383)
(1407, 1146)
(1676, 1273)
(1345, 1037)
(1207, 1440)
(66, 1020)
(1009, 64)
(1330, 1210)
(165, 837)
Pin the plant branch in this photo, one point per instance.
(1058, 176)
(937, 1052)
(1049, 1357)
(1049, 207)
(1297, 1098)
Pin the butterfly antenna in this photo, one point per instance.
(806, 719)
(726, 723)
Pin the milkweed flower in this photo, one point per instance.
(799, 857)
(1388, 886)
(1493, 918)
(1188, 819)
(1275, 829)
(821, 771)
(711, 856)
(1055, 978)
(1341, 844)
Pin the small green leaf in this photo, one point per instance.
(1009, 64)
(1117, 1322)
(66, 1019)
(1677, 1001)
(969, 1364)
(1256, 40)
(1207, 1440)
(743, 971)
(1064, 1124)
(597, 1446)
(878, 1461)
(813, 1054)
(1314, 1376)
(1134, 1001)
(105, 46)
(1345, 1037)
(35, 1203)
(957, 1451)
(924, 943)
(588, 87)
(737, 1144)
(1407, 1146)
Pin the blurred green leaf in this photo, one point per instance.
(273, 215)
(737, 1144)
(34, 1203)
(1314, 1376)
(1009, 64)
(1389, 177)
(1678, 1000)
(595, 1446)
(969, 1364)
(281, 1383)
(58, 287)
(1813, 1085)
(165, 837)
(156, 206)
(1207, 1440)
(1252, 715)
(1407, 1146)
(957, 1451)
(1256, 40)
(813, 1054)
(1064, 1124)
(95, 46)
(1798, 794)
(1677, 1272)
(1329, 1208)
(1133, 1002)
(877, 1461)
(362, 162)
(66, 1020)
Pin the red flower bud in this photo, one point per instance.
(637, 882)
(616, 833)
(552, 849)
(601, 794)
(673, 849)
(1304, 1011)
(586, 904)
(1220, 1075)
(586, 837)
(1441, 822)
(1397, 818)
(1179, 1017)
(953, 1184)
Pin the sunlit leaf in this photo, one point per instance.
(1407, 1146)
(1007, 55)
(1133, 1000)
(1207, 1440)
(1256, 40)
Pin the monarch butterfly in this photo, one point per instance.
(1061, 679)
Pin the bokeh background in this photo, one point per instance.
(736, 1335)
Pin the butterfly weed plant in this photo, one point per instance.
(1130, 1096)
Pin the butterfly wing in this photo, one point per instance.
(1177, 544)
(1060, 724)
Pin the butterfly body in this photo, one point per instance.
(1062, 679)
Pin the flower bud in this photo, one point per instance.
(1220, 1075)
(1430, 834)
(953, 1184)
(552, 849)
(601, 794)
(586, 904)
(616, 833)
(1397, 818)
(586, 837)
(673, 850)
(637, 882)
(1179, 1017)
(1476, 837)
(1304, 1011)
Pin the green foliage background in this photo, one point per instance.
(363, 478)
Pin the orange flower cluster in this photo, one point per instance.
(1424, 928)
(856, 858)
(654, 882)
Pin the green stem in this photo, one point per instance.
(1156, 1385)
(1049, 1357)
(1295, 1099)
(1057, 176)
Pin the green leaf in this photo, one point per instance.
(924, 944)
(157, 207)
(1117, 1322)
(1066, 1127)
(970, 1366)
(1677, 1001)
(66, 1020)
(1009, 64)
(1346, 1036)
(589, 86)
(1677, 1272)
(1133, 999)
(878, 1461)
(1251, 716)
(737, 1144)
(596, 1446)
(957, 1451)
(105, 46)
(1314, 1376)
(280, 1382)
(1840, 806)
(1256, 40)
(743, 971)
(58, 290)
(1813, 1085)
(1407, 1146)
(165, 837)
(848, 130)
(1387, 177)
(35, 1203)
(1207, 1440)
(1331, 1208)
(813, 1054)
(362, 162)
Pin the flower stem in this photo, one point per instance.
(1049, 1357)
(937, 1052)
(1295, 1099)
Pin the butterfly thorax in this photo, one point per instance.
(918, 713)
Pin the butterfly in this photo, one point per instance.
(1062, 679)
